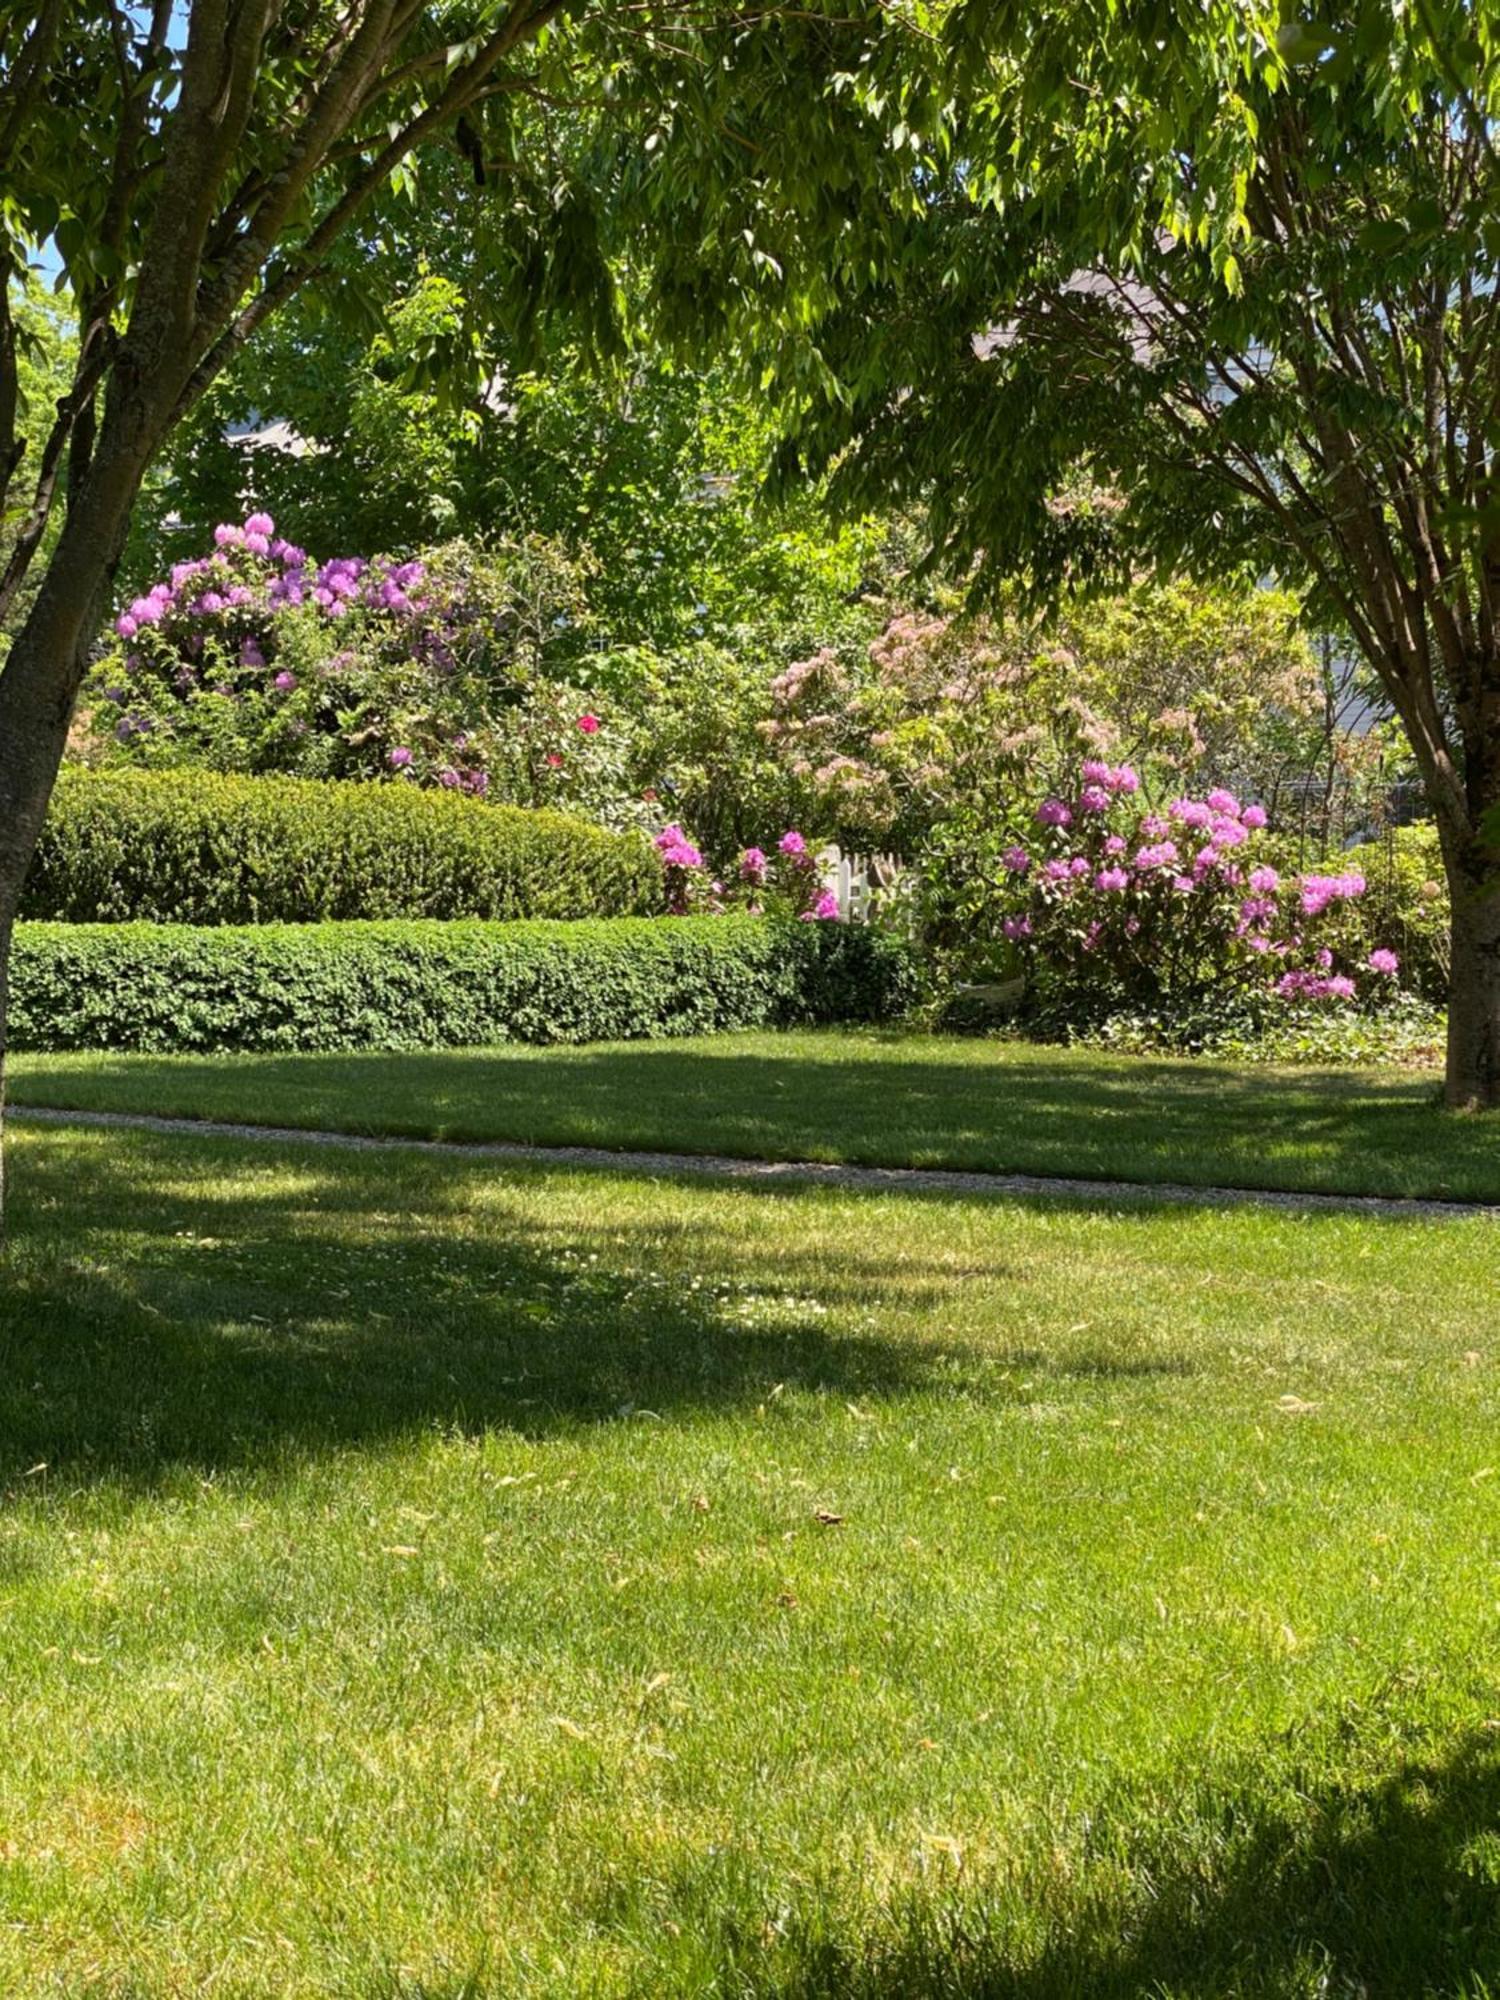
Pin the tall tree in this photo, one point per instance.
(195, 162)
(1233, 271)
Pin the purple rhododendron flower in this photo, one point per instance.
(1017, 860)
(285, 682)
(1192, 812)
(1384, 962)
(1111, 878)
(1264, 881)
(1093, 799)
(1160, 856)
(1254, 817)
(260, 524)
(1220, 801)
(753, 865)
(399, 758)
(676, 850)
(1052, 812)
(1096, 773)
(1124, 779)
(1116, 844)
(791, 842)
(1016, 928)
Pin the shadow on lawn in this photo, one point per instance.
(1385, 1892)
(206, 1314)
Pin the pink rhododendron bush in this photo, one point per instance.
(1117, 906)
(453, 671)
(784, 883)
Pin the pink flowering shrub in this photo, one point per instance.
(784, 884)
(448, 671)
(1115, 906)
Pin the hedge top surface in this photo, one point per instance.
(203, 847)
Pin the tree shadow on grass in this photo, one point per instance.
(1384, 1891)
(227, 1305)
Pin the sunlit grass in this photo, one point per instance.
(885, 1099)
(421, 1579)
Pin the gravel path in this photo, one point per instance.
(923, 1180)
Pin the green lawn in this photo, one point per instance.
(418, 1579)
(886, 1099)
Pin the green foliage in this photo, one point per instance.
(424, 985)
(197, 848)
(1406, 906)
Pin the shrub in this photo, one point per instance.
(429, 985)
(1175, 914)
(203, 848)
(453, 670)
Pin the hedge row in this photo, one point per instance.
(198, 847)
(424, 985)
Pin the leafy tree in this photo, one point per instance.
(196, 163)
(1232, 273)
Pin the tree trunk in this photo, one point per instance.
(40, 678)
(1473, 1075)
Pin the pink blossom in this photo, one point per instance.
(1264, 881)
(1220, 801)
(1124, 779)
(753, 865)
(1111, 878)
(1093, 799)
(825, 909)
(399, 758)
(791, 842)
(1116, 844)
(1384, 962)
(1161, 856)
(1017, 860)
(1052, 812)
(1079, 866)
(1228, 833)
(1057, 871)
(589, 724)
(1095, 772)
(284, 682)
(227, 536)
(1153, 826)
(674, 847)
(1016, 928)
(260, 524)
(1254, 817)
(1192, 812)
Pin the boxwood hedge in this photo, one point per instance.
(199, 847)
(403, 985)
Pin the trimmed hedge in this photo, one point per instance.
(424, 985)
(199, 847)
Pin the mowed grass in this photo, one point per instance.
(884, 1099)
(425, 1580)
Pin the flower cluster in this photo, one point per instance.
(787, 883)
(1117, 905)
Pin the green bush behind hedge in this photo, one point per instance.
(170, 987)
(199, 847)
